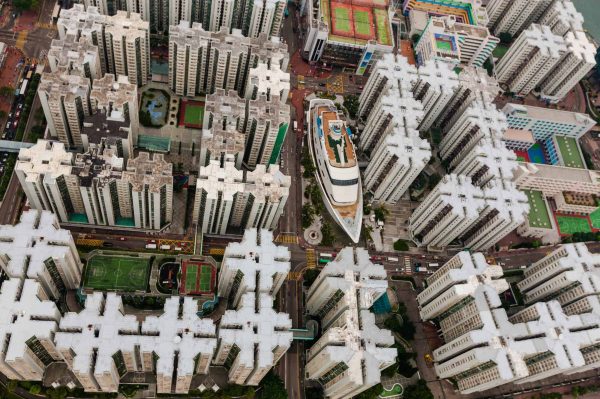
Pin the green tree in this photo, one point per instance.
(505, 37)
(415, 38)
(35, 389)
(371, 393)
(401, 245)
(314, 393)
(307, 163)
(23, 5)
(351, 104)
(310, 275)
(380, 213)
(273, 387)
(328, 237)
(308, 215)
(6, 91)
(418, 391)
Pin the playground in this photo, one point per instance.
(116, 272)
(154, 107)
(573, 224)
(358, 21)
(191, 114)
(197, 278)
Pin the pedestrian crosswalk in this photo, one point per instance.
(310, 258)
(21, 39)
(407, 266)
(286, 239)
(87, 242)
(216, 251)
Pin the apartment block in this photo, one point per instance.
(227, 197)
(490, 159)
(349, 356)
(514, 16)
(255, 264)
(562, 17)
(518, 140)
(566, 275)
(391, 71)
(474, 84)
(575, 64)
(460, 292)
(435, 88)
(65, 101)
(545, 123)
(448, 40)
(150, 181)
(87, 343)
(201, 61)
(75, 57)
(532, 56)
(115, 99)
(264, 121)
(252, 338)
(467, 11)
(123, 39)
(37, 248)
(28, 322)
(447, 212)
(222, 144)
(480, 120)
(395, 163)
(265, 79)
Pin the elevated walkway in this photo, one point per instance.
(13, 146)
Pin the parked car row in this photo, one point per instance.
(14, 116)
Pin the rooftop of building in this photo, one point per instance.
(60, 84)
(95, 165)
(42, 158)
(552, 172)
(580, 46)
(146, 170)
(567, 14)
(499, 160)
(464, 197)
(548, 114)
(256, 329)
(112, 93)
(440, 75)
(453, 26)
(542, 37)
(24, 313)
(268, 182)
(218, 140)
(269, 79)
(522, 135)
(217, 180)
(539, 216)
(258, 258)
(130, 25)
(70, 50)
(407, 146)
(334, 133)
(569, 151)
(509, 202)
(477, 79)
(100, 126)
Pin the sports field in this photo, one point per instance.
(116, 272)
(363, 23)
(191, 114)
(197, 278)
(572, 224)
(595, 219)
(357, 21)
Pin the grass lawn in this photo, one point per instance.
(194, 114)
(569, 151)
(538, 212)
(342, 19)
(595, 218)
(571, 225)
(395, 391)
(118, 272)
(499, 51)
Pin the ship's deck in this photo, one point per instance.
(339, 149)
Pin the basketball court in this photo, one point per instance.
(197, 278)
(116, 272)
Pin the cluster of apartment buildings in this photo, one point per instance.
(348, 357)
(555, 334)
(478, 203)
(252, 17)
(101, 345)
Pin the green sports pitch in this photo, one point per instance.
(194, 114)
(342, 19)
(362, 24)
(571, 224)
(116, 272)
(198, 279)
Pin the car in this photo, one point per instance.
(20, 106)
(3, 136)
(10, 115)
(15, 123)
(108, 244)
(322, 84)
(122, 239)
(17, 114)
(8, 125)
(151, 241)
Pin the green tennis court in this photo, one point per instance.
(116, 272)
(342, 19)
(191, 272)
(572, 224)
(382, 23)
(362, 24)
(205, 278)
(194, 114)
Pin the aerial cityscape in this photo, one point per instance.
(275, 199)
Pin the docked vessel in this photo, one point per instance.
(338, 176)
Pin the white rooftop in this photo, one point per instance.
(258, 258)
(257, 329)
(440, 75)
(542, 37)
(29, 243)
(547, 114)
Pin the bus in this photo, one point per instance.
(393, 259)
(325, 255)
(24, 87)
(323, 261)
(150, 246)
(434, 265)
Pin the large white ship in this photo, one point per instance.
(337, 167)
